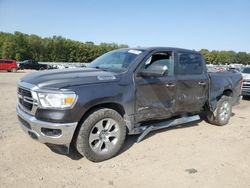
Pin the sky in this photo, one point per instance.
(192, 24)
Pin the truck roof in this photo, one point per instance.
(163, 48)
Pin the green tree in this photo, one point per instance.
(21, 46)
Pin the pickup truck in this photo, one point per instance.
(246, 81)
(32, 64)
(123, 92)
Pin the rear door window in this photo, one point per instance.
(189, 63)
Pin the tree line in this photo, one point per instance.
(22, 46)
(225, 57)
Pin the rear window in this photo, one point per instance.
(189, 63)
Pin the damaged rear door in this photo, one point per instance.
(155, 95)
(191, 82)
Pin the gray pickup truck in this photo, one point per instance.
(125, 91)
(246, 81)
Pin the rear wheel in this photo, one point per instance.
(222, 113)
(101, 135)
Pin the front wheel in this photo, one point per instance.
(101, 135)
(222, 113)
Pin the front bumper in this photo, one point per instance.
(35, 128)
(245, 92)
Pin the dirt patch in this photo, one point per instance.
(201, 155)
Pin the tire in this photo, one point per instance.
(101, 135)
(222, 113)
(14, 70)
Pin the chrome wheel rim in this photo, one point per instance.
(224, 111)
(104, 135)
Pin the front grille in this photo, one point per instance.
(246, 85)
(25, 98)
(24, 92)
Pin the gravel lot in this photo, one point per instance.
(198, 155)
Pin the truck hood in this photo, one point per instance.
(56, 79)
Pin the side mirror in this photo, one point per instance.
(154, 71)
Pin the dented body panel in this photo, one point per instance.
(221, 83)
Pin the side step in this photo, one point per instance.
(165, 124)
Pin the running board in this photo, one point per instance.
(147, 129)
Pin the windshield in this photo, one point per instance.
(246, 70)
(117, 60)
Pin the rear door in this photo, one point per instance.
(155, 95)
(191, 82)
(8, 64)
(32, 65)
(35, 65)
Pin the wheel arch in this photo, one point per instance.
(211, 104)
(227, 92)
(111, 105)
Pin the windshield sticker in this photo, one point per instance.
(137, 52)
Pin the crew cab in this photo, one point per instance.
(246, 81)
(9, 65)
(125, 91)
(32, 64)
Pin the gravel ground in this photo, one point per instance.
(197, 155)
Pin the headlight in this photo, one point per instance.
(57, 100)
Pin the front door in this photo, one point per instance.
(155, 96)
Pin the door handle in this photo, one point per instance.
(201, 83)
(170, 85)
